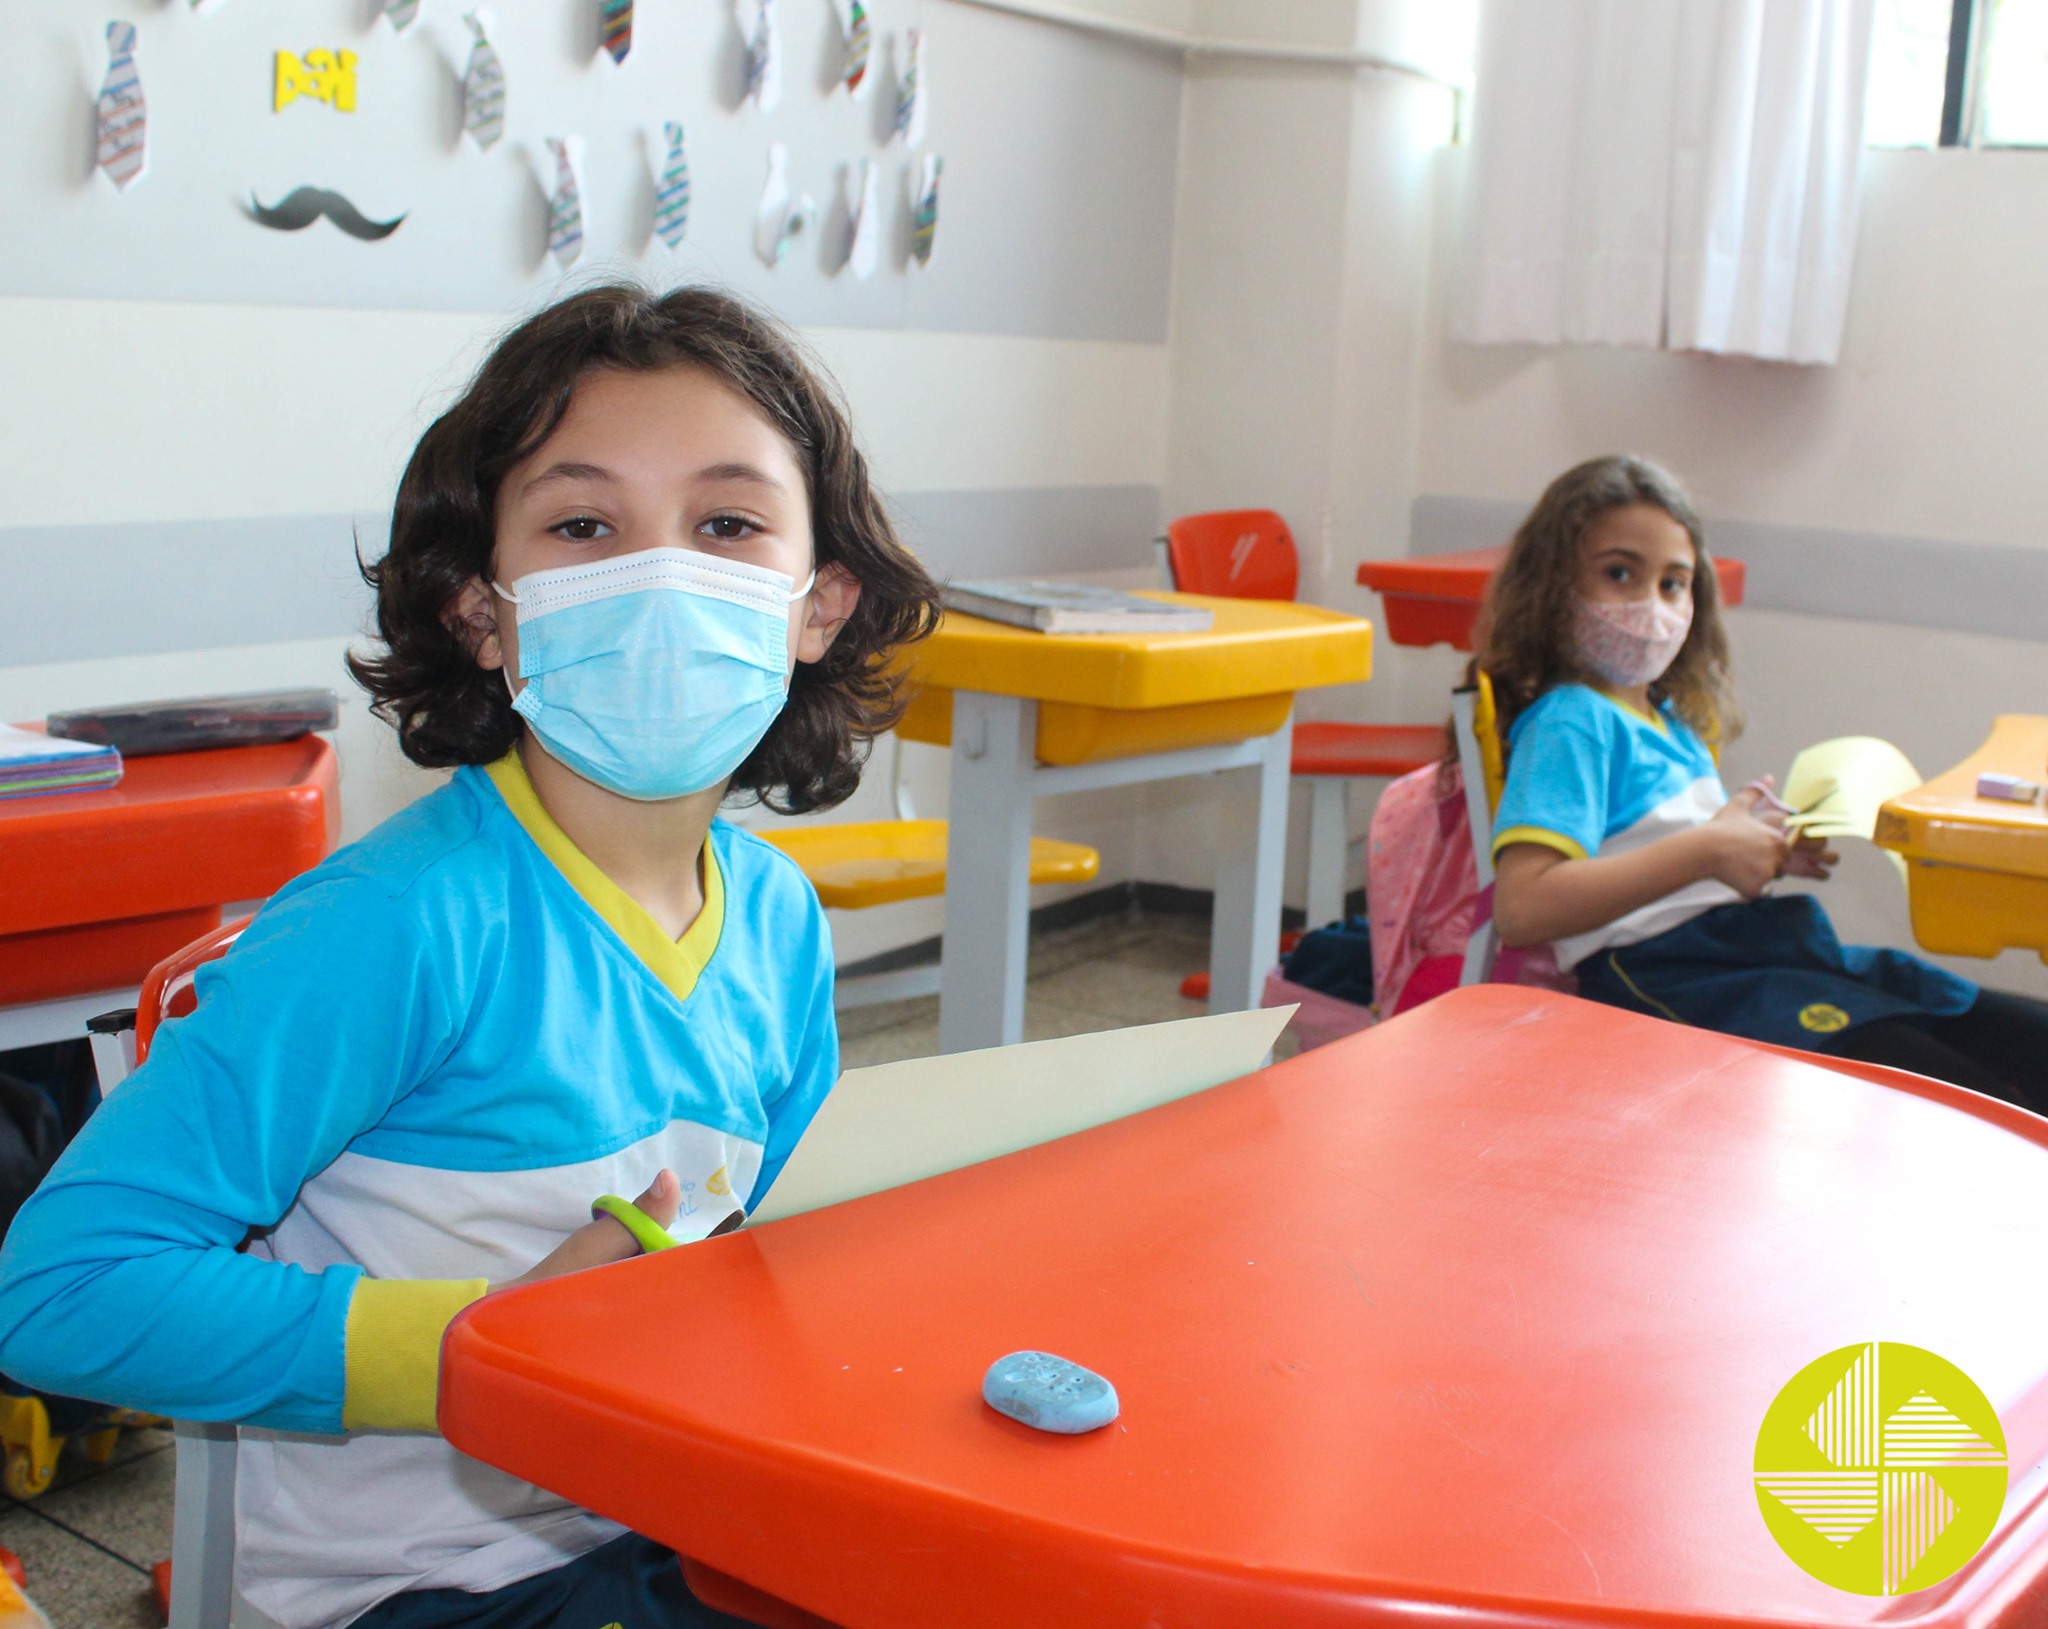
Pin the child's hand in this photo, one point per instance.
(1744, 849)
(1810, 857)
(604, 1240)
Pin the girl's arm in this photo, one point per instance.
(1541, 894)
(121, 1279)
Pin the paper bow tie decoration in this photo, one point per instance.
(324, 76)
(863, 221)
(401, 14)
(778, 222)
(615, 20)
(858, 31)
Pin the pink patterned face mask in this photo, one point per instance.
(1631, 642)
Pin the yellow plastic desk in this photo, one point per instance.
(1027, 715)
(1977, 868)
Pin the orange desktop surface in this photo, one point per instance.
(1470, 1319)
(1434, 598)
(97, 887)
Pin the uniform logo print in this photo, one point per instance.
(1823, 1018)
(1880, 1469)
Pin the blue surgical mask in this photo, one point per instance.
(653, 674)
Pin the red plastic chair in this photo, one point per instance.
(1249, 554)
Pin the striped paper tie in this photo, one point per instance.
(120, 115)
(860, 47)
(910, 92)
(924, 224)
(764, 55)
(618, 29)
(565, 207)
(483, 90)
(401, 14)
(672, 191)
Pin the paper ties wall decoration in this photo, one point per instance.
(864, 221)
(616, 21)
(778, 222)
(924, 219)
(120, 116)
(672, 189)
(565, 202)
(302, 206)
(401, 14)
(206, 8)
(857, 28)
(323, 76)
(764, 52)
(912, 92)
(483, 86)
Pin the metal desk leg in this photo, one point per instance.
(1251, 839)
(988, 871)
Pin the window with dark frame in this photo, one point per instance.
(1959, 73)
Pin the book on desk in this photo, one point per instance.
(1073, 608)
(32, 763)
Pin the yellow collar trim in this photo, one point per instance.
(676, 962)
(1651, 718)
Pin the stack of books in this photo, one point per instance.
(32, 763)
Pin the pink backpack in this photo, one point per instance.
(1422, 889)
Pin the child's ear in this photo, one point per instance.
(473, 618)
(833, 597)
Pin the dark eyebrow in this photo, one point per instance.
(752, 473)
(569, 472)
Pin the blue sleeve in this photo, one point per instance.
(121, 1279)
(816, 1067)
(1560, 769)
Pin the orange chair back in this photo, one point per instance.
(1239, 554)
(168, 991)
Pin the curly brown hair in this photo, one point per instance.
(1524, 635)
(449, 711)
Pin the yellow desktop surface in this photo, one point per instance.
(1977, 868)
(1115, 695)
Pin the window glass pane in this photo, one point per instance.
(2012, 90)
(1908, 71)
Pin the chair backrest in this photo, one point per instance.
(1239, 554)
(1483, 767)
(168, 990)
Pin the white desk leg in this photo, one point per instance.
(1329, 843)
(988, 872)
(1251, 839)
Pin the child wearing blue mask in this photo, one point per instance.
(1616, 843)
(636, 569)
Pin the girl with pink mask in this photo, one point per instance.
(1616, 843)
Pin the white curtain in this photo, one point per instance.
(1675, 173)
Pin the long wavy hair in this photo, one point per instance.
(449, 711)
(1524, 637)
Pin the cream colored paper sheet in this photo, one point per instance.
(1836, 787)
(900, 1122)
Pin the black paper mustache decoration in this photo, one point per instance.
(305, 205)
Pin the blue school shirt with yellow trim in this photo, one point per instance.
(414, 1071)
(1589, 775)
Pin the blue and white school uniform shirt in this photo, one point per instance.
(1590, 775)
(407, 1081)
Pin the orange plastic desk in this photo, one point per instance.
(1434, 598)
(97, 887)
(1470, 1319)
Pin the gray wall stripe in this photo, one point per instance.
(1927, 582)
(80, 593)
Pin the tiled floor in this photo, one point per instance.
(88, 1542)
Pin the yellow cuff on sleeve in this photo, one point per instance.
(1536, 834)
(394, 1350)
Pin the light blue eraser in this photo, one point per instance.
(1049, 1393)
